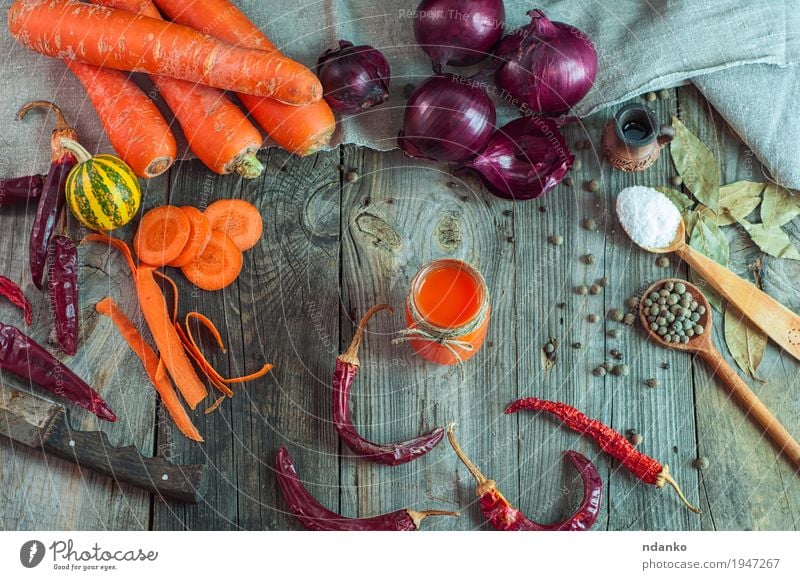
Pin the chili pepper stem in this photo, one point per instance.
(61, 122)
(484, 484)
(665, 478)
(417, 517)
(80, 152)
(350, 356)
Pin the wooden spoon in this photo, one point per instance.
(703, 345)
(773, 318)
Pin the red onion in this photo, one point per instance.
(546, 66)
(354, 78)
(458, 32)
(447, 118)
(524, 159)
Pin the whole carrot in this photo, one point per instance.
(117, 39)
(300, 130)
(135, 127)
(217, 131)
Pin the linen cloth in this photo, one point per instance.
(737, 52)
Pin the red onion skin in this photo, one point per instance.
(458, 32)
(526, 158)
(447, 118)
(354, 78)
(547, 67)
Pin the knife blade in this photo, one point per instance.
(42, 424)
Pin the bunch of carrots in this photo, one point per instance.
(207, 247)
(97, 40)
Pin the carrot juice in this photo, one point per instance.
(447, 312)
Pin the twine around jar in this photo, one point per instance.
(446, 337)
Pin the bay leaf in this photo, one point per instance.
(779, 206)
(709, 240)
(772, 241)
(696, 165)
(746, 343)
(738, 200)
(690, 218)
(678, 198)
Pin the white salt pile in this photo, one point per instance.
(648, 216)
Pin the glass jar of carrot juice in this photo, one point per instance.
(447, 312)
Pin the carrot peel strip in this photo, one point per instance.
(174, 286)
(259, 373)
(214, 405)
(208, 324)
(153, 366)
(115, 243)
(194, 353)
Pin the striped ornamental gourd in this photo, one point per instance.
(102, 192)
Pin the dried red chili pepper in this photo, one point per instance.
(20, 190)
(10, 290)
(52, 200)
(63, 285)
(314, 516)
(24, 357)
(389, 454)
(502, 515)
(611, 441)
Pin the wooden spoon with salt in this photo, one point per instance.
(703, 345)
(773, 318)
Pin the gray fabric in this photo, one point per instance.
(642, 45)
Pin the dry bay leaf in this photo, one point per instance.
(678, 198)
(696, 165)
(779, 206)
(772, 241)
(738, 200)
(746, 343)
(708, 239)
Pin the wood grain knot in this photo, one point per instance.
(379, 230)
(448, 233)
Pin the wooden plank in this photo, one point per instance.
(288, 286)
(41, 492)
(747, 486)
(400, 215)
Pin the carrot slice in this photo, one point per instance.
(162, 235)
(199, 235)
(114, 243)
(153, 366)
(240, 220)
(218, 266)
(169, 344)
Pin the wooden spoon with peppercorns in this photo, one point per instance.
(654, 315)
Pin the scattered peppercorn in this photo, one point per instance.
(577, 165)
(578, 144)
(662, 262)
(555, 239)
(581, 290)
(590, 224)
(665, 365)
(577, 345)
(636, 439)
(663, 94)
(589, 259)
(592, 318)
(633, 302)
(599, 371)
(568, 181)
(542, 209)
(700, 463)
(677, 181)
(652, 383)
(616, 314)
(602, 282)
(608, 366)
(351, 176)
(621, 370)
(651, 97)
(595, 289)
(593, 185)
(616, 354)
(613, 333)
(628, 319)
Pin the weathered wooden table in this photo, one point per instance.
(333, 248)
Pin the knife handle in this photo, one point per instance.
(92, 450)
